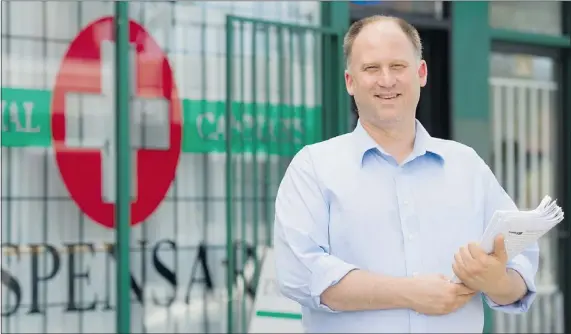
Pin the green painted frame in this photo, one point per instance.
(336, 109)
(123, 167)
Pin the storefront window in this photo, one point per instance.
(523, 104)
(430, 8)
(540, 17)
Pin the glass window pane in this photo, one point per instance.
(541, 17)
(522, 66)
(431, 8)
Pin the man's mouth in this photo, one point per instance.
(387, 97)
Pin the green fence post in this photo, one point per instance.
(335, 100)
(471, 48)
(123, 166)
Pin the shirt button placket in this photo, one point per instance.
(412, 245)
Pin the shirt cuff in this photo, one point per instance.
(522, 305)
(330, 271)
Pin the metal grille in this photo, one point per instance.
(43, 232)
(523, 146)
(58, 264)
(277, 90)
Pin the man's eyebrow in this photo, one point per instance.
(369, 64)
(392, 62)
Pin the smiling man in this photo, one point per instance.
(371, 226)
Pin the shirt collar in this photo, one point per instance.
(423, 143)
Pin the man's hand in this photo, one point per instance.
(436, 295)
(480, 271)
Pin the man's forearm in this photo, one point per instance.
(361, 290)
(510, 290)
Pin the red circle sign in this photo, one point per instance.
(81, 167)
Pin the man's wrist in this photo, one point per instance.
(508, 289)
(408, 294)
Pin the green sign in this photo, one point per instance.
(263, 128)
(25, 117)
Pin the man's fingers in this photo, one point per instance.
(466, 298)
(458, 259)
(500, 248)
(476, 252)
(467, 258)
(461, 289)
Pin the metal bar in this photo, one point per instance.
(510, 140)
(342, 105)
(534, 143)
(327, 97)
(123, 166)
(318, 89)
(302, 79)
(8, 160)
(229, 173)
(176, 214)
(255, 176)
(267, 138)
(528, 83)
(242, 149)
(45, 205)
(497, 128)
(292, 112)
(207, 201)
(523, 202)
(282, 25)
(281, 98)
(142, 138)
(546, 110)
(81, 215)
(543, 40)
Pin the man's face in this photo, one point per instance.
(385, 74)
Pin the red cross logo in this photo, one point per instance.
(83, 127)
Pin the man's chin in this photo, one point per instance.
(389, 118)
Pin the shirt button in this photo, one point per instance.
(410, 236)
(415, 274)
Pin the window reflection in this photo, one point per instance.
(540, 17)
(431, 8)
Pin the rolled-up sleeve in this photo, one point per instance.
(525, 263)
(304, 266)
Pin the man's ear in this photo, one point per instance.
(423, 73)
(349, 82)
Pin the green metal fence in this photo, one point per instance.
(153, 220)
(257, 159)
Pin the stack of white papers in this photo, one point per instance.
(521, 228)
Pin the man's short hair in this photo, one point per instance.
(354, 30)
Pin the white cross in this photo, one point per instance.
(94, 116)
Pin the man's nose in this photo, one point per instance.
(386, 79)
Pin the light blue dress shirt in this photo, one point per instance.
(345, 203)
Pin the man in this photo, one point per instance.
(371, 226)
